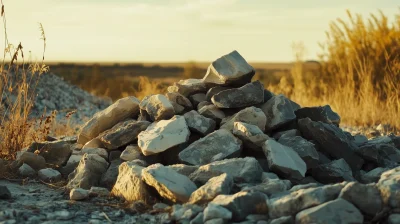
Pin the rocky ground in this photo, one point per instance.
(221, 149)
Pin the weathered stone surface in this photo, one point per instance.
(133, 152)
(180, 103)
(389, 186)
(214, 211)
(214, 90)
(384, 155)
(338, 211)
(35, 161)
(94, 143)
(294, 202)
(304, 148)
(26, 171)
(245, 96)
(243, 204)
(204, 103)
(188, 87)
(184, 213)
(103, 120)
(98, 151)
(168, 183)
(279, 111)
(78, 194)
(71, 165)
(249, 115)
(198, 123)
(4, 192)
(287, 133)
(284, 160)
(360, 139)
(99, 192)
(109, 178)
(158, 107)
(252, 136)
(215, 186)
(211, 111)
(183, 169)
(56, 153)
(49, 175)
(163, 135)
(88, 172)
(283, 220)
(373, 175)
(218, 145)
(231, 69)
(366, 198)
(323, 114)
(333, 172)
(332, 140)
(250, 170)
(270, 188)
(122, 135)
(195, 99)
(129, 184)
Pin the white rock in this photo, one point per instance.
(78, 194)
(158, 107)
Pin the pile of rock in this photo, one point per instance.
(224, 149)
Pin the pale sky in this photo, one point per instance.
(177, 30)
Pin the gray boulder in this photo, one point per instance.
(373, 175)
(71, 165)
(195, 99)
(158, 107)
(109, 178)
(202, 104)
(4, 192)
(287, 133)
(180, 103)
(270, 188)
(218, 145)
(35, 161)
(183, 169)
(56, 153)
(279, 111)
(245, 96)
(215, 186)
(249, 115)
(188, 87)
(26, 171)
(211, 111)
(49, 175)
(78, 194)
(384, 155)
(198, 123)
(252, 136)
(304, 148)
(214, 90)
(389, 185)
(333, 172)
(98, 151)
(323, 114)
(214, 211)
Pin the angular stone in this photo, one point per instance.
(198, 123)
(287, 133)
(109, 178)
(98, 151)
(168, 183)
(99, 192)
(71, 165)
(251, 135)
(129, 184)
(304, 148)
(211, 111)
(4, 192)
(279, 112)
(294, 202)
(204, 103)
(216, 146)
(389, 186)
(366, 198)
(333, 212)
(106, 119)
(215, 186)
(270, 188)
(163, 135)
(248, 95)
(183, 169)
(56, 153)
(243, 204)
(78, 194)
(284, 160)
(231, 69)
(122, 135)
(197, 98)
(283, 220)
(323, 114)
(26, 171)
(249, 115)
(188, 87)
(183, 213)
(332, 140)
(360, 139)
(250, 170)
(35, 161)
(373, 175)
(158, 107)
(49, 175)
(333, 172)
(384, 155)
(180, 103)
(214, 211)
(88, 173)
(215, 90)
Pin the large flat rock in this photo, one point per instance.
(248, 95)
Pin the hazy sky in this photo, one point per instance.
(177, 30)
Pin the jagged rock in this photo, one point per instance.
(72, 163)
(323, 159)
(332, 140)
(215, 186)
(389, 185)
(279, 111)
(323, 114)
(333, 172)
(163, 135)
(183, 169)
(188, 87)
(284, 160)
(215, 90)
(270, 188)
(186, 212)
(49, 175)
(214, 211)
(98, 151)
(198, 123)
(78, 194)
(88, 173)
(366, 198)
(211, 111)
(26, 171)
(109, 178)
(35, 161)
(197, 98)
(250, 115)
(287, 133)
(231, 69)
(99, 192)
(251, 135)
(243, 204)
(216, 146)
(305, 186)
(245, 96)
(4, 192)
(385, 155)
(123, 134)
(204, 103)
(133, 152)
(106, 119)
(129, 184)
(168, 183)
(336, 211)
(250, 170)
(180, 103)
(55, 153)
(360, 139)
(305, 149)
(373, 175)
(158, 107)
